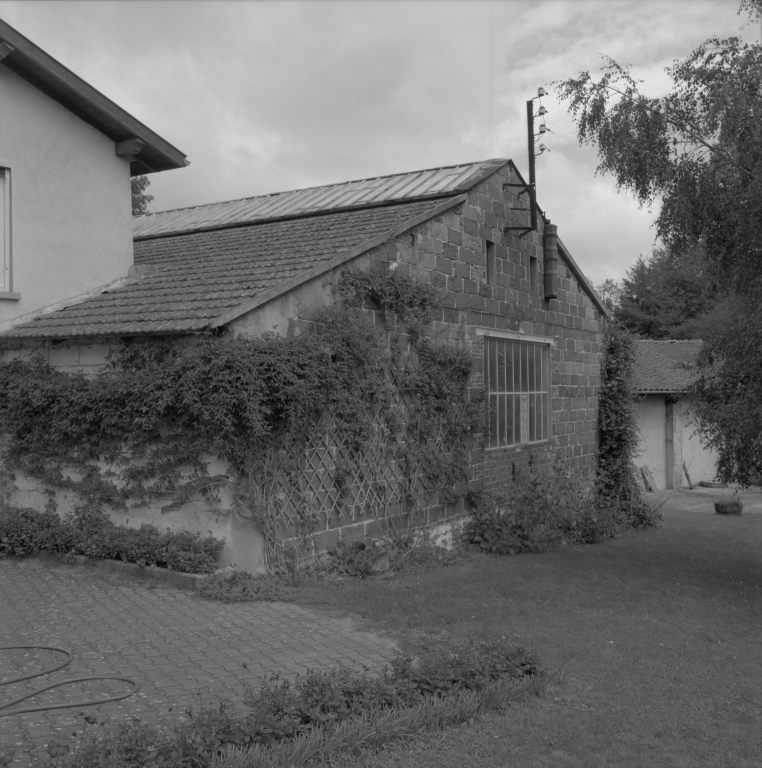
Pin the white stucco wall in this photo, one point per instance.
(651, 415)
(244, 542)
(689, 448)
(70, 196)
(698, 457)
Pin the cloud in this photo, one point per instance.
(269, 96)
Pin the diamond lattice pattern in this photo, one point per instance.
(332, 480)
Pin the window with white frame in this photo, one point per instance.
(517, 389)
(5, 229)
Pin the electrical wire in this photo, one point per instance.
(68, 681)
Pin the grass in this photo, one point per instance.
(658, 636)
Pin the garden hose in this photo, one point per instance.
(68, 660)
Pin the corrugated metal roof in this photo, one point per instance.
(349, 194)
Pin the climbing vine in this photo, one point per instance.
(618, 430)
(148, 424)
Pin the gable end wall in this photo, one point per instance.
(449, 252)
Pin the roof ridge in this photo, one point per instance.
(323, 186)
(294, 216)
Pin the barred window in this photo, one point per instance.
(517, 388)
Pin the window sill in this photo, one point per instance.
(518, 446)
(9, 296)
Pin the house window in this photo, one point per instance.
(517, 388)
(5, 230)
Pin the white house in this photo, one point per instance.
(669, 444)
(66, 157)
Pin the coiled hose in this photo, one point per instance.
(68, 660)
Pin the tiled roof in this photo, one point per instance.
(204, 275)
(665, 366)
(349, 194)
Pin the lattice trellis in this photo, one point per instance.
(331, 480)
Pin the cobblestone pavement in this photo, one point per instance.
(180, 648)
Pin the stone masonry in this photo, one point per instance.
(450, 253)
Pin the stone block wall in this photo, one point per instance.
(450, 252)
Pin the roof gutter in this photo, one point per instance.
(28, 61)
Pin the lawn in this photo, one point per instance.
(657, 637)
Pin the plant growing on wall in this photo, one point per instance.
(618, 430)
(150, 422)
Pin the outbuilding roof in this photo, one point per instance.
(205, 266)
(22, 56)
(205, 279)
(347, 195)
(665, 367)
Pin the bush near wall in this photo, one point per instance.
(91, 533)
(547, 506)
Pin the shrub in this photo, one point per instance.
(25, 531)
(281, 711)
(547, 506)
(90, 532)
(360, 557)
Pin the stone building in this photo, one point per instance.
(512, 296)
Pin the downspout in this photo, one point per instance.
(669, 444)
(551, 260)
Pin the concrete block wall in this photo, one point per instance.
(450, 253)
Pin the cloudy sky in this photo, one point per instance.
(276, 95)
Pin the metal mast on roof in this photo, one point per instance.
(532, 139)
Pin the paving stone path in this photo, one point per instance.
(180, 648)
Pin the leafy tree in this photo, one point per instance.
(663, 295)
(698, 153)
(610, 293)
(698, 149)
(727, 393)
(140, 198)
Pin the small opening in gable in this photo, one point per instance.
(491, 263)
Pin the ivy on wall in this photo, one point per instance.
(148, 423)
(618, 430)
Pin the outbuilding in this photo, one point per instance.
(514, 297)
(669, 445)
